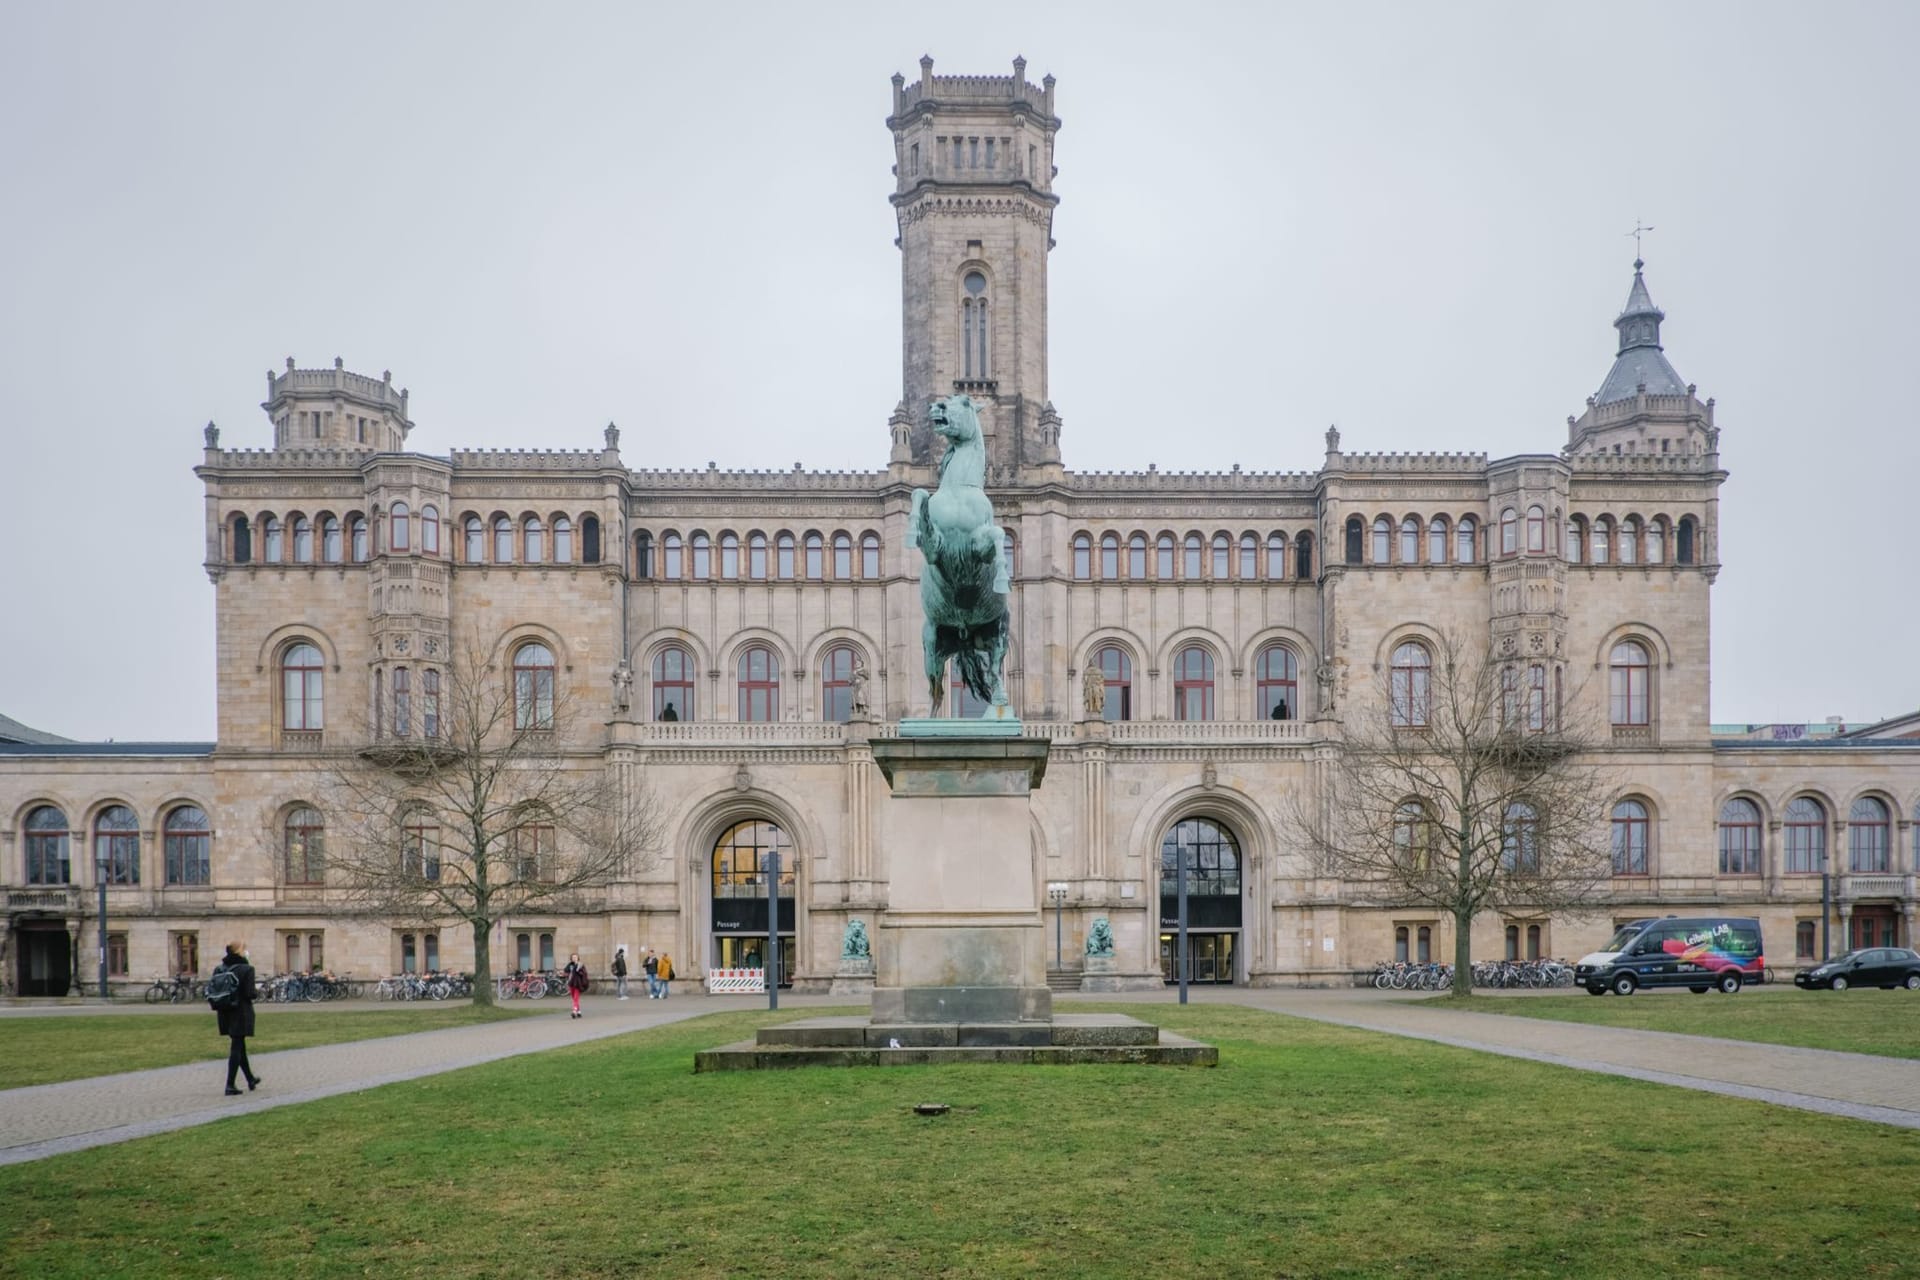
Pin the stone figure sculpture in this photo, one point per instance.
(1100, 937)
(963, 588)
(853, 943)
(857, 696)
(1093, 691)
(623, 687)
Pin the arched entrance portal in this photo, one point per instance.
(1214, 878)
(741, 857)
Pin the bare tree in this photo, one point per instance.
(486, 806)
(1466, 786)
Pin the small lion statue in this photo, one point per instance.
(1100, 938)
(853, 943)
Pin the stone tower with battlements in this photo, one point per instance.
(973, 159)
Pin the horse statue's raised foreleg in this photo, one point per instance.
(936, 667)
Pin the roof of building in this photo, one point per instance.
(64, 748)
(1894, 727)
(12, 730)
(1640, 362)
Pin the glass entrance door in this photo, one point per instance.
(749, 952)
(46, 962)
(1210, 957)
(1872, 927)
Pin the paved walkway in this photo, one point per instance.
(45, 1120)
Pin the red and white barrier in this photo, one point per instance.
(721, 982)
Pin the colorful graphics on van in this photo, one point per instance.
(1722, 946)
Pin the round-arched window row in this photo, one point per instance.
(530, 538)
(844, 684)
(1192, 557)
(1632, 540)
(668, 555)
(1409, 540)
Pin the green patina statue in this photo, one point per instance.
(1100, 938)
(964, 587)
(853, 943)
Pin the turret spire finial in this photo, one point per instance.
(1639, 229)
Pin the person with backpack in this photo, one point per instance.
(620, 970)
(231, 993)
(652, 966)
(576, 980)
(665, 972)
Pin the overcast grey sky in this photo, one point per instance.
(1407, 219)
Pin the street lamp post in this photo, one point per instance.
(1057, 891)
(100, 878)
(773, 923)
(1180, 920)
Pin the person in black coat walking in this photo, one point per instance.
(236, 1019)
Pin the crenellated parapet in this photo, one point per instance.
(336, 407)
(751, 481)
(527, 459)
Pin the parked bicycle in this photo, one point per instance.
(532, 985)
(178, 990)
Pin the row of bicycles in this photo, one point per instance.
(424, 986)
(309, 988)
(1399, 975)
(531, 984)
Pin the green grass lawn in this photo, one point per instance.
(1882, 1022)
(1311, 1151)
(41, 1050)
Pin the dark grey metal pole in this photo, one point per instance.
(1059, 905)
(773, 927)
(1826, 911)
(100, 875)
(1180, 879)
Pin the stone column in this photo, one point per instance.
(1771, 856)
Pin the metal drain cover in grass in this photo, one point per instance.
(931, 1109)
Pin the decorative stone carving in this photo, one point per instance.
(857, 697)
(623, 688)
(613, 436)
(742, 779)
(213, 436)
(963, 588)
(1100, 938)
(1093, 691)
(853, 942)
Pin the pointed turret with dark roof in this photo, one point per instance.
(1640, 364)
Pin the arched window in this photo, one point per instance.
(757, 556)
(302, 673)
(1276, 556)
(870, 557)
(842, 557)
(474, 538)
(1806, 836)
(1212, 858)
(1194, 554)
(189, 846)
(816, 557)
(1683, 544)
(357, 539)
(741, 859)
(1276, 684)
(430, 703)
(1465, 535)
(502, 540)
(1382, 540)
(1116, 670)
(673, 684)
(589, 539)
(1537, 698)
(1513, 942)
(116, 845)
(730, 556)
(402, 702)
(1303, 556)
(430, 530)
(1629, 546)
(973, 327)
(642, 555)
(49, 857)
(1401, 953)
(1739, 838)
(1082, 557)
(1869, 838)
(1423, 944)
(1803, 940)
(1629, 838)
(1536, 530)
(399, 528)
(836, 683)
(1533, 942)
(1137, 557)
(1629, 679)
(1163, 568)
(420, 850)
(1109, 556)
(1509, 531)
(272, 552)
(535, 541)
(562, 540)
(783, 557)
(673, 562)
(1410, 541)
(533, 687)
(1193, 684)
(1413, 836)
(1600, 548)
(242, 541)
(1249, 558)
(1222, 557)
(1010, 552)
(1576, 540)
(759, 686)
(302, 540)
(1656, 541)
(1437, 540)
(305, 838)
(1410, 689)
(700, 548)
(1520, 838)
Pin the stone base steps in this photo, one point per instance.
(1064, 980)
(860, 1042)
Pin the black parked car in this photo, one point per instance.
(1885, 967)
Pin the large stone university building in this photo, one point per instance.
(1237, 619)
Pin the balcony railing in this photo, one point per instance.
(720, 732)
(1877, 886)
(1210, 731)
(61, 898)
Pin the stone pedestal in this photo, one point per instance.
(962, 939)
(853, 978)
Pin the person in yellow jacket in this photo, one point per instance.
(664, 974)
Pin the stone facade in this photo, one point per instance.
(343, 564)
